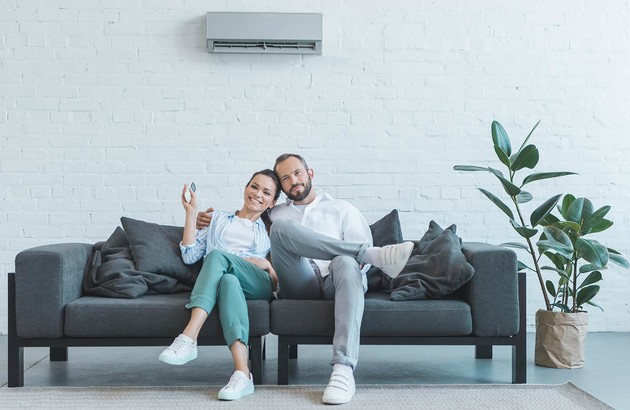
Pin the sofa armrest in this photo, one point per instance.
(46, 279)
(493, 290)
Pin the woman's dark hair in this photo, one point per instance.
(269, 173)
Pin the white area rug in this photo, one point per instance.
(456, 397)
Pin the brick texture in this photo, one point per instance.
(107, 108)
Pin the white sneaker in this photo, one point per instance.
(393, 258)
(239, 385)
(181, 351)
(340, 387)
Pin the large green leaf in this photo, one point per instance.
(592, 251)
(593, 277)
(522, 230)
(601, 226)
(517, 245)
(470, 168)
(510, 188)
(558, 271)
(563, 308)
(545, 175)
(596, 218)
(557, 241)
(564, 208)
(586, 294)
(529, 136)
(550, 288)
(617, 259)
(543, 210)
(502, 156)
(549, 220)
(506, 210)
(580, 210)
(589, 267)
(575, 227)
(590, 302)
(558, 260)
(558, 235)
(500, 138)
(524, 197)
(526, 158)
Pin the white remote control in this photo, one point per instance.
(187, 195)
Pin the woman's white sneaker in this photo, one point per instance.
(181, 351)
(239, 385)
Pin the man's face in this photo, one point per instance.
(294, 178)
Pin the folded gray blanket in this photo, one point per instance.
(112, 272)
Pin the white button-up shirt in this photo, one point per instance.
(332, 217)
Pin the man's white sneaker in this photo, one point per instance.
(181, 351)
(239, 385)
(340, 387)
(393, 258)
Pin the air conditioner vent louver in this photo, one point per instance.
(261, 46)
(283, 33)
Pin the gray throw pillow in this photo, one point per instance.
(155, 249)
(385, 231)
(429, 236)
(438, 271)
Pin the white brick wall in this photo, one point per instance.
(106, 108)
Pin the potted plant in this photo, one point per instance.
(578, 261)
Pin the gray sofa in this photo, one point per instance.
(47, 308)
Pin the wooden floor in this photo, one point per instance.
(606, 374)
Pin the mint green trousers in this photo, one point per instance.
(229, 281)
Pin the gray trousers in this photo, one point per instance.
(292, 247)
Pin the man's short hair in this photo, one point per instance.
(284, 157)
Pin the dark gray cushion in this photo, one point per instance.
(155, 249)
(429, 236)
(149, 316)
(382, 317)
(385, 231)
(438, 271)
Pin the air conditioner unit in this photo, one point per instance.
(284, 33)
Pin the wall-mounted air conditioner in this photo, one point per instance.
(285, 33)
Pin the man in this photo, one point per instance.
(321, 248)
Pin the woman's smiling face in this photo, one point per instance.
(260, 193)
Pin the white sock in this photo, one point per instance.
(372, 257)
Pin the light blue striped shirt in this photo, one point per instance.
(211, 238)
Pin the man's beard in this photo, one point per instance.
(300, 196)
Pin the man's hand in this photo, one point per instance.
(204, 218)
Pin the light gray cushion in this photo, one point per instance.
(155, 249)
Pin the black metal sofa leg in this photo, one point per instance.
(14, 350)
(483, 351)
(59, 354)
(256, 357)
(16, 365)
(283, 361)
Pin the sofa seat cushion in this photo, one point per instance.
(382, 317)
(148, 316)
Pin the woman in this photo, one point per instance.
(234, 270)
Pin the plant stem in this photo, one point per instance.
(541, 281)
(575, 285)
